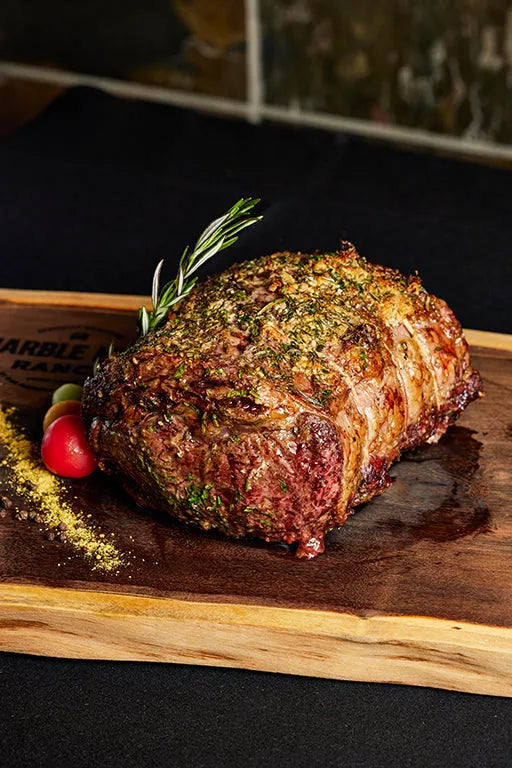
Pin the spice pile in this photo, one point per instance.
(47, 493)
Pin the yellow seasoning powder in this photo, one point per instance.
(47, 492)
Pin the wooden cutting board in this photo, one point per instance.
(416, 588)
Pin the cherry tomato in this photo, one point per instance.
(64, 408)
(67, 392)
(65, 450)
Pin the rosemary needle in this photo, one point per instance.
(217, 236)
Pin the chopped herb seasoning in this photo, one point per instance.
(293, 333)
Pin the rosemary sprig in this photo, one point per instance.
(96, 366)
(217, 236)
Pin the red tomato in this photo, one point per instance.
(65, 450)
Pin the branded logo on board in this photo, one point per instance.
(53, 355)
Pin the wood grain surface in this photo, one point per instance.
(415, 588)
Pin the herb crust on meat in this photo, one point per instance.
(275, 398)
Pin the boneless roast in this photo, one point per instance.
(276, 397)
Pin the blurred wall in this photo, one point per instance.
(442, 66)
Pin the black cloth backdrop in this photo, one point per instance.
(92, 194)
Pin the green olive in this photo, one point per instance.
(67, 392)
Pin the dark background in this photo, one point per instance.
(95, 37)
(92, 195)
(434, 65)
(95, 192)
(77, 713)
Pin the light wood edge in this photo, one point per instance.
(106, 301)
(415, 650)
(488, 339)
(131, 303)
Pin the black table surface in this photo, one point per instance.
(92, 195)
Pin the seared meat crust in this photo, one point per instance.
(278, 395)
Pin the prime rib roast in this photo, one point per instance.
(275, 398)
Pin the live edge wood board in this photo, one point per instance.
(416, 588)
